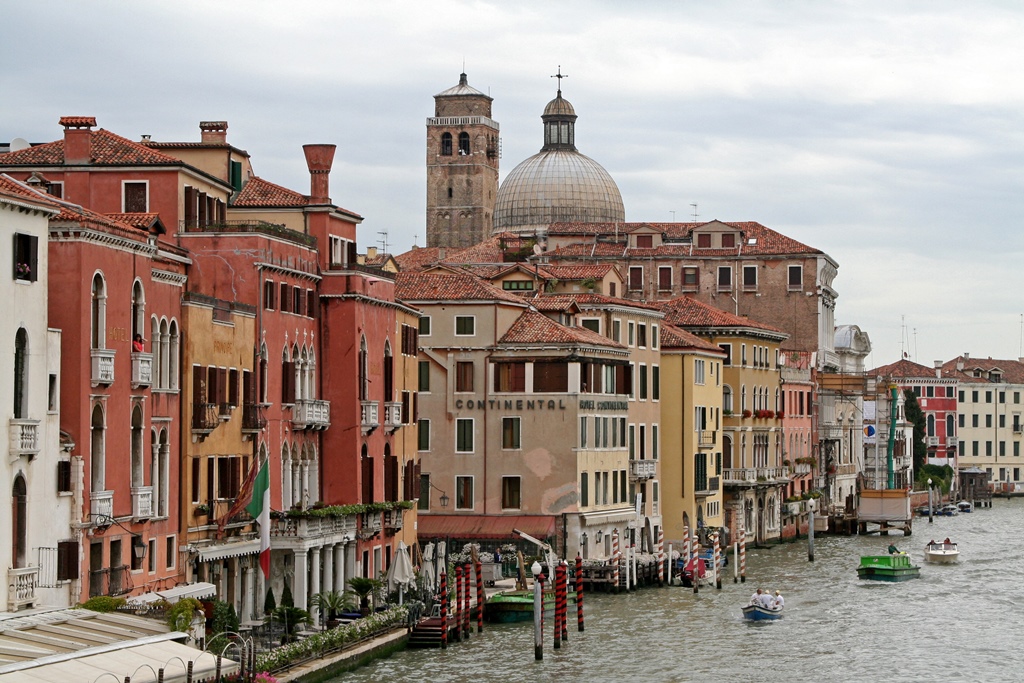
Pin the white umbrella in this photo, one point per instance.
(441, 561)
(427, 569)
(401, 574)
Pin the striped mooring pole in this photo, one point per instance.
(458, 602)
(556, 584)
(467, 623)
(615, 558)
(716, 558)
(579, 593)
(661, 556)
(743, 555)
(444, 610)
(480, 597)
(564, 567)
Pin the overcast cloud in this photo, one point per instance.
(887, 134)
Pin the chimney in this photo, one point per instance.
(214, 132)
(938, 369)
(319, 159)
(371, 253)
(77, 139)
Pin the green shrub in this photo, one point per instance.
(269, 604)
(103, 603)
(181, 613)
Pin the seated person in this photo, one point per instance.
(893, 550)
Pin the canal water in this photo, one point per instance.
(960, 622)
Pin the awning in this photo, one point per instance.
(218, 551)
(172, 595)
(494, 527)
(609, 517)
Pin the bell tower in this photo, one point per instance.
(462, 167)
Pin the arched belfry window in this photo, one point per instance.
(464, 144)
(446, 144)
(99, 312)
(21, 374)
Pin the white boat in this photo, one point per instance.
(965, 506)
(941, 552)
(949, 510)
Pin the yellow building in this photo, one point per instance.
(691, 465)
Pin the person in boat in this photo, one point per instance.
(779, 602)
(766, 600)
(893, 550)
(947, 541)
(755, 597)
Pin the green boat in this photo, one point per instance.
(511, 606)
(894, 567)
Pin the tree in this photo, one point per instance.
(269, 604)
(912, 409)
(286, 596)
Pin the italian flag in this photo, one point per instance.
(259, 508)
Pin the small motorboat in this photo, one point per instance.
(921, 511)
(965, 506)
(760, 613)
(949, 510)
(894, 567)
(942, 552)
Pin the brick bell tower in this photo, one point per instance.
(462, 167)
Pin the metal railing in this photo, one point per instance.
(707, 438)
(112, 581)
(252, 417)
(247, 226)
(205, 417)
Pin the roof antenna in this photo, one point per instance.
(695, 214)
(383, 241)
(673, 216)
(560, 76)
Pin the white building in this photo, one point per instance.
(38, 549)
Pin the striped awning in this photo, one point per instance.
(172, 595)
(219, 551)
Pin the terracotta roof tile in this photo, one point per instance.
(580, 272)
(1010, 370)
(445, 287)
(535, 328)
(587, 300)
(685, 312)
(589, 250)
(417, 258)
(107, 149)
(150, 222)
(77, 121)
(672, 337)
(263, 193)
(904, 369)
(17, 190)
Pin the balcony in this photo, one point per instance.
(113, 581)
(643, 469)
(311, 414)
(21, 587)
(750, 476)
(370, 415)
(707, 439)
(312, 527)
(393, 520)
(709, 487)
(101, 506)
(931, 441)
(142, 503)
(952, 441)
(205, 418)
(392, 415)
(142, 370)
(24, 436)
(102, 367)
(370, 524)
(831, 431)
(252, 418)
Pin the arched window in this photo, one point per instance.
(19, 521)
(950, 424)
(21, 374)
(367, 474)
(286, 477)
(99, 312)
(311, 372)
(165, 354)
(138, 310)
(97, 442)
(727, 399)
(743, 397)
(363, 380)
(154, 346)
(172, 353)
(136, 446)
(446, 144)
(931, 425)
(727, 451)
(287, 377)
(297, 362)
(389, 370)
(302, 376)
(464, 144)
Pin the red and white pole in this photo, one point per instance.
(579, 593)
(661, 556)
(615, 559)
(716, 559)
(743, 555)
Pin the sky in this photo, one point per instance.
(887, 134)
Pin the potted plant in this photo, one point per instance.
(362, 587)
(201, 510)
(746, 413)
(331, 604)
(291, 618)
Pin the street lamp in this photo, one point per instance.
(810, 529)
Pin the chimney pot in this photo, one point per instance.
(214, 132)
(77, 139)
(319, 159)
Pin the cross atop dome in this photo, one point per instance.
(560, 76)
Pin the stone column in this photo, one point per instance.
(235, 566)
(328, 568)
(304, 484)
(351, 561)
(314, 576)
(299, 579)
(245, 614)
(339, 567)
(286, 484)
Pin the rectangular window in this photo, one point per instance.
(654, 336)
(423, 435)
(424, 375)
(464, 435)
(67, 560)
(26, 257)
(510, 433)
(698, 372)
(463, 493)
(643, 382)
(510, 377)
(796, 278)
(64, 476)
(963, 419)
(297, 297)
(592, 324)
(988, 420)
(310, 304)
(704, 240)
(974, 420)
(641, 336)
(617, 330)
(636, 278)
(136, 197)
(464, 376)
(654, 442)
(465, 325)
(632, 442)
(691, 278)
(170, 551)
(285, 297)
(749, 277)
(268, 295)
(645, 241)
(424, 496)
(151, 556)
(584, 489)
(728, 240)
(425, 326)
(630, 331)
(227, 476)
(727, 361)
(655, 383)
(643, 442)
(517, 285)
(510, 493)
(583, 432)
(664, 278)
(724, 278)
(551, 377)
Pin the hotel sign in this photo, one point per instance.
(509, 404)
